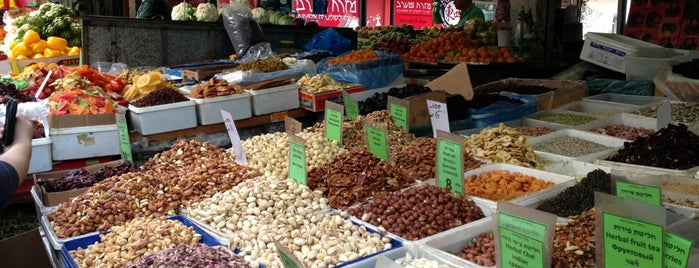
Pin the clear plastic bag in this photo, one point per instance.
(244, 33)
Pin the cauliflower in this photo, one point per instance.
(183, 11)
(207, 12)
(260, 15)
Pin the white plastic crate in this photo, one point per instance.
(41, 159)
(612, 142)
(599, 109)
(209, 109)
(415, 250)
(608, 50)
(645, 169)
(531, 199)
(626, 119)
(84, 142)
(531, 120)
(276, 99)
(451, 242)
(163, 118)
(574, 168)
(623, 99)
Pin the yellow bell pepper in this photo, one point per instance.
(22, 50)
(13, 43)
(56, 43)
(30, 37)
(38, 56)
(49, 53)
(73, 51)
(39, 46)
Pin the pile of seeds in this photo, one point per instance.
(570, 146)
(674, 147)
(579, 197)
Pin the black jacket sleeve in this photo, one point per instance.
(9, 181)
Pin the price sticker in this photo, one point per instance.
(240, 156)
(351, 106)
(450, 165)
(297, 159)
(377, 140)
(333, 121)
(288, 259)
(292, 126)
(631, 243)
(438, 116)
(123, 137)
(676, 250)
(399, 109)
(645, 193)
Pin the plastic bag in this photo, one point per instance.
(244, 32)
(675, 86)
(249, 77)
(503, 111)
(329, 40)
(597, 86)
(34, 111)
(111, 68)
(372, 74)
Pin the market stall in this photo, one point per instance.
(319, 158)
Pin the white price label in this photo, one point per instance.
(240, 157)
(438, 116)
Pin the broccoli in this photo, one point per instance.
(36, 21)
(76, 28)
(45, 8)
(52, 15)
(21, 21)
(75, 41)
(65, 34)
(62, 22)
(49, 30)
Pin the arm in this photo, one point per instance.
(19, 152)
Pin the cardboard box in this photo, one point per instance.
(24, 250)
(563, 91)
(68, 121)
(50, 199)
(18, 66)
(315, 102)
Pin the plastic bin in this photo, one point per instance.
(84, 142)
(85, 241)
(531, 199)
(163, 118)
(41, 159)
(599, 109)
(209, 109)
(276, 99)
(608, 50)
(452, 241)
(631, 120)
(623, 99)
(574, 168)
(612, 143)
(531, 120)
(646, 62)
(646, 169)
(415, 250)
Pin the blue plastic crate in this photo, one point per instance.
(206, 238)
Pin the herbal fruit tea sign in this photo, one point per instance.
(338, 13)
(417, 13)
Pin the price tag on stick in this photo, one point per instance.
(288, 258)
(377, 139)
(523, 236)
(400, 111)
(664, 114)
(240, 157)
(123, 137)
(351, 106)
(292, 126)
(297, 159)
(450, 164)
(438, 116)
(333, 121)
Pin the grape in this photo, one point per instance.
(8, 90)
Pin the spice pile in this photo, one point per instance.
(579, 197)
(570, 146)
(565, 119)
(680, 112)
(673, 147)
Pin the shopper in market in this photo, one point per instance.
(14, 160)
(469, 11)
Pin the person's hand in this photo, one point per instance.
(24, 130)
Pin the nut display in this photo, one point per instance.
(533, 131)
(580, 197)
(80, 178)
(214, 88)
(355, 176)
(418, 212)
(266, 209)
(570, 146)
(319, 83)
(624, 132)
(673, 147)
(418, 159)
(131, 241)
(191, 170)
(502, 145)
(503, 185)
(574, 242)
(690, 189)
(481, 251)
(196, 255)
(264, 65)
(680, 112)
(269, 153)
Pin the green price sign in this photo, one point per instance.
(645, 193)
(450, 173)
(631, 243)
(124, 141)
(377, 142)
(521, 241)
(333, 125)
(351, 106)
(676, 250)
(297, 160)
(400, 115)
